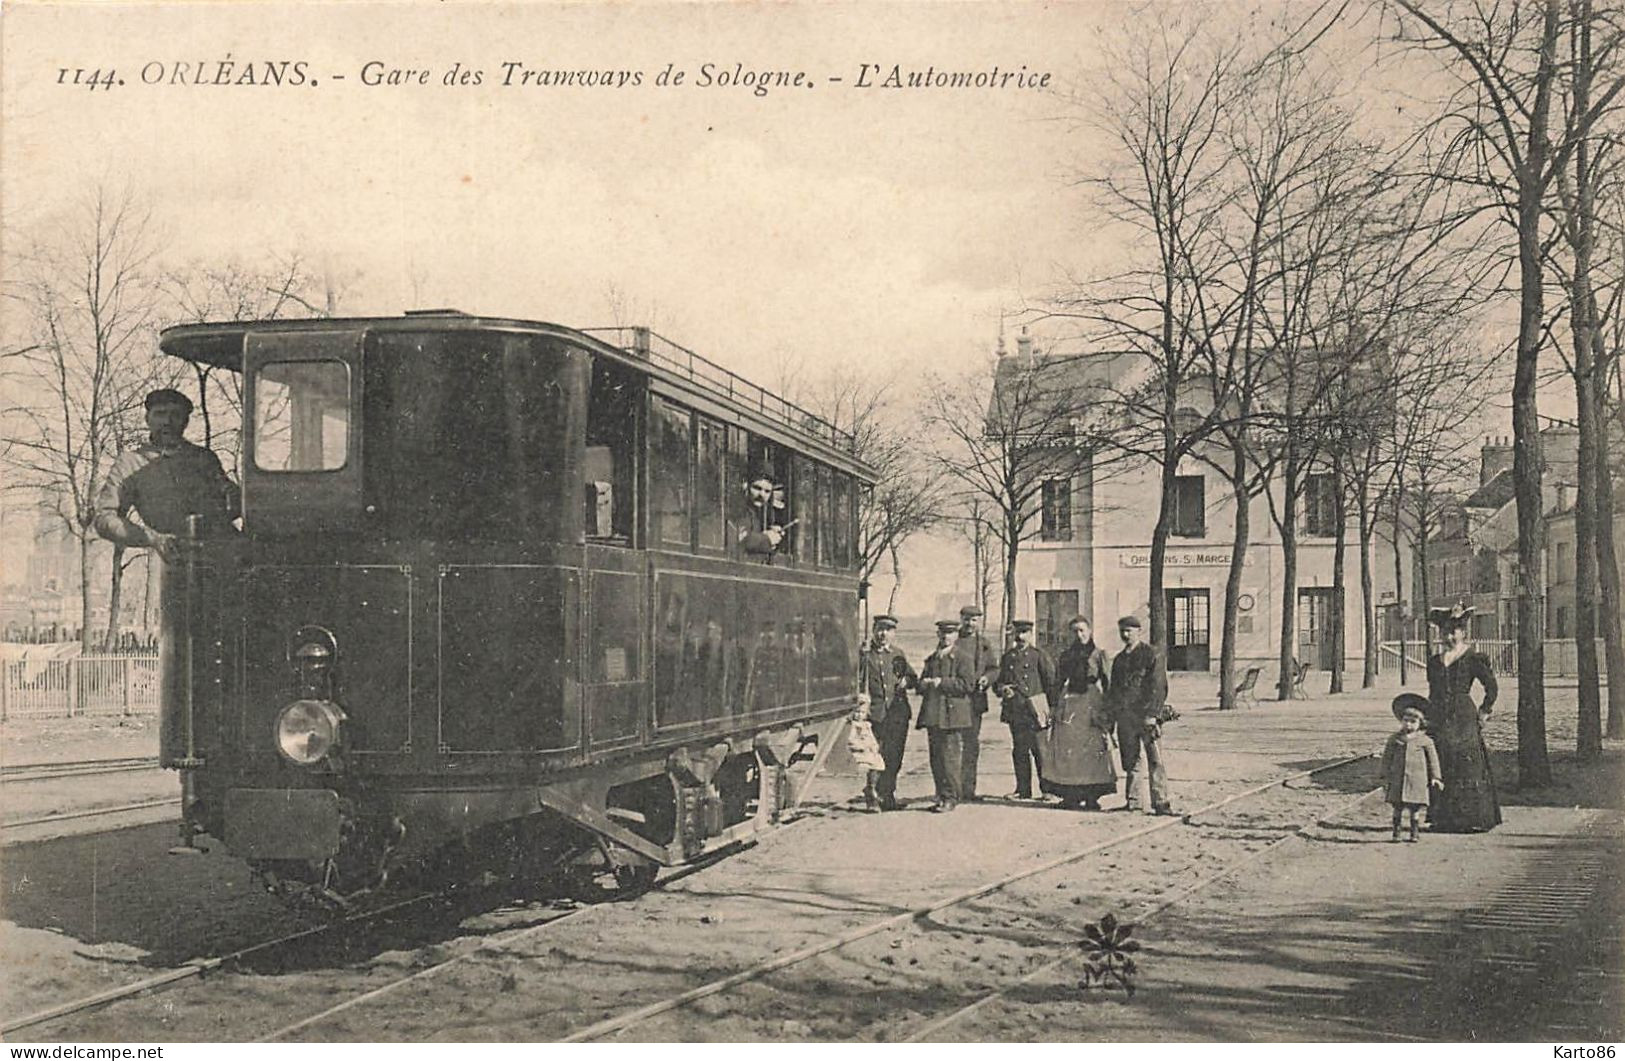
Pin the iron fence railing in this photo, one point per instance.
(85, 685)
(658, 350)
(1562, 655)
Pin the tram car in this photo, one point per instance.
(495, 602)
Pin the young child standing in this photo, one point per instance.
(1410, 763)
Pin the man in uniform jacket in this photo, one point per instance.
(946, 682)
(1139, 686)
(887, 677)
(1024, 672)
(985, 660)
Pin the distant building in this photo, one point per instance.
(1093, 554)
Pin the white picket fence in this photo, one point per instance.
(85, 685)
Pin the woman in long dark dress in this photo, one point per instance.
(1075, 751)
(1468, 803)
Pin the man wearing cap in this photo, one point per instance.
(1138, 688)
(886, 679)
(165, 480)
(946, 682)
(1024, 672)
(985, 661)
(763, 533)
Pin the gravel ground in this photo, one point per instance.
(838, 869)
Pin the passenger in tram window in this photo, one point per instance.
(765, 531)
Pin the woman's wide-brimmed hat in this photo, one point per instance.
(1410, 702)
(1446, 618)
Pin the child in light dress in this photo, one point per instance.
(1410, 764)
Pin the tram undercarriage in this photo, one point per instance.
(600, 834)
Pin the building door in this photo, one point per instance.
(1054, 609)
(1317, 627)
(1187, 645)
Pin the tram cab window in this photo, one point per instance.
(301, 416)
(844, 552)
(608, 465)
(670, 429)
(811, 533)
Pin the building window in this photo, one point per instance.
(1057, 517)
(1190, 507)
(1320, 505)
(1565, 569)
(1054, 610)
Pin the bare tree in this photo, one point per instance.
(1501, 138)
(86, 288)
(908, 494)
(1005, 433)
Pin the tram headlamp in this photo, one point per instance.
(307, 731)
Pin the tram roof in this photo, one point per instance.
(687, 373)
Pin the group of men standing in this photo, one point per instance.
(954, 684)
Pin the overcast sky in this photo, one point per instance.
(829, 224)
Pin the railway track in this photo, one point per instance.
(96, 812)
(200, 968)
(623, 1022)
(20, 772)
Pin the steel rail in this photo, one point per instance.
(81, 768)
(197, 968)
(612, 1025)
(487, 944)
(94, 813)
(1149, 910)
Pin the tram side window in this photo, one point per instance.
(765, 496)
(843, 521)
(710, 481)
(809, 531)
(826, 508)
(670, 431)
(608, 464)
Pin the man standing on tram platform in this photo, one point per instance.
(165, 480)
(985, 661)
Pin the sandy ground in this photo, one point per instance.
(1237, 961)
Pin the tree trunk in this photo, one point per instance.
(1159, 554)
(1232, 582)
(1534, 767)
(115, 598)
(1608, 580)
(1399, 584)
(896, 581)
(1588, 734)
(1289, 586)
(1012, 550)
(85, 636)
(1339, 582)
(1368, 608)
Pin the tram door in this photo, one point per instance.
(1188, 632)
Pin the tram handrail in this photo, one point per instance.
(648, 345)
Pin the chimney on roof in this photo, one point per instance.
(1493, 459)
(1024, 344)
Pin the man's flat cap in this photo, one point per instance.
(885, 622)
(970, 611)
(944, 625)
(168, 396)
(1129, 621)
(1021, 626)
